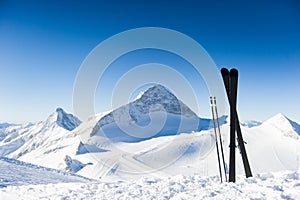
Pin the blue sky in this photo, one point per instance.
(43, 43)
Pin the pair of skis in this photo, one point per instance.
(230, 80)
(215, 115)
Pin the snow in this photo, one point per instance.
(11, 146)
(112, 154)
(45, 143)
(86, 148)
(5, 125)
(175, 162)
(15, 173)
(280, 185)
(285, 125)
(269, 149)
(74, 165)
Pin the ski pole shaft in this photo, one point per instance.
(218, 125)
(217, 146)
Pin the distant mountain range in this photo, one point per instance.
(158, 131)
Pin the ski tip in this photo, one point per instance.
(234, 72)
(224, 71)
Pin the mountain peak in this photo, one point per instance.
(278, 118)
(159, 95)
(157, 91)
(285, 124)
(157, 88)
(63, 119)
(154, 100)
(59, 110)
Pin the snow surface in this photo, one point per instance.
(280, 185)
(14, 172)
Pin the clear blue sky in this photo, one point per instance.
(43, 43)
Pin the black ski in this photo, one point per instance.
(233, 80)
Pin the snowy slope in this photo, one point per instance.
(283, 185)
(269, 149)
(15, 173)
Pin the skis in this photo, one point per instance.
(213, 104)
(230, 80)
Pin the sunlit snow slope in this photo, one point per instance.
(100, 149)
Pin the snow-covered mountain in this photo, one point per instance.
(5, 125)
(157, 112)
(30, 142)
(156, 98)
(63, 119)
(284, 125)
(99, 149)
